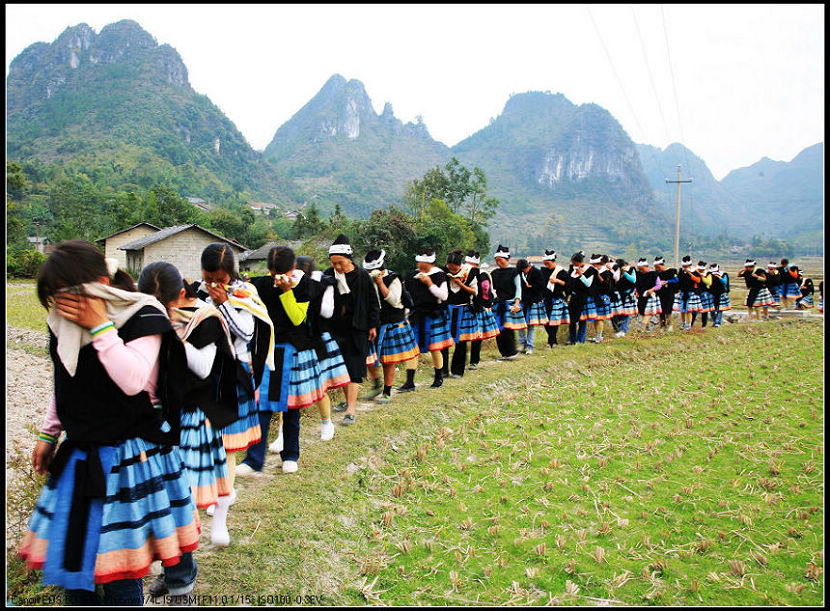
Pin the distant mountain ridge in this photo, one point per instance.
(118, 106)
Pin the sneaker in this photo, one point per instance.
(340, 407)
(158, 587)
(244, 470)
(619, 334)
(289, 466)
(348, 419)
(212, 508)
(509, 358)
(383, 399)
(549, 347)
(472, 366)
(529, 351)
(326, 430)
(455, 376)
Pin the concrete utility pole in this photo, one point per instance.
(677, 218)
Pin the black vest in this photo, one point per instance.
(504, 281)
(93, 409)
(388, 313)
(425, 301)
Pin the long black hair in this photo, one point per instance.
(73, 263)
(281, 259)
(219, 255)
(162, 280)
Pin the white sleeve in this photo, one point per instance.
(327, 305)
(440, 292)
(200, 360)
(474, 286)
(394, 296)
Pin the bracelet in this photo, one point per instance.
(95, 332)
(47, 438)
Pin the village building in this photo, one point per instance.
(113, 242)
(259, 257)
(262, 207)
(181, 245)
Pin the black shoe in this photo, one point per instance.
(439, 379)
(158, 587)
(406, 387)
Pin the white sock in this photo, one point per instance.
(219, 534)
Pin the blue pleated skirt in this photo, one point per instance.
(487, 325)
(463, 324)
(148, 514)
(687, 303)
(204, 459)
(432, 331)
(558, 312)
(333, 370)
(512, 321)
(535, 314)
(242, 433)
(395, 344)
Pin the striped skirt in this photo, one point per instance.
(589, 310)
(333, 371)
(146, 515)
(245, 432)
(762, 299)
(775, 291)
(687, 302)
(557, 310)
(624, 305)
(535, 314)
(707, 302)
(652, 306)
(604, 311)
(488, 326)
(395, 344)
(512, 321)
(724, 303)
(432, 331)
(204, 459)
(790, 290)
(304, 386)
(463, 324)
(806, 302)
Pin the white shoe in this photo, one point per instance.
(276, 445)
(529, 351)
(244, 470)
(220, 537)
(289, 466)
(619, 334)
(326, 431)
(210, 510)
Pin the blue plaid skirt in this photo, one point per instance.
(624, 305)
(692, 303)
(488, 326)
(535, 314)
(333, 370)
(790, 290)
(242, 433)
(603, 303)
(589, 310)
(507, 319)
(432, 331)
(303, 388)
(725, 303)
(463, 325)
(806, 301)
(204, 459)
(147, 514)
(557, 311)
(395, 344)
(762, 299)
(707, 302)
(652, 306)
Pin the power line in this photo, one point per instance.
(619, 80)
(671, 70)
(650, 76)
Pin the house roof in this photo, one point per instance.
(128, 229)
(163, 234)
(261, 253)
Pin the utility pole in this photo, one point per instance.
(677, 218)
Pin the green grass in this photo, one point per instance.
(22, 307)
(684, 469)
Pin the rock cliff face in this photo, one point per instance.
(342, 152)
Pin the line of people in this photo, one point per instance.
(166, 389)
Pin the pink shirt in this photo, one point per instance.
(132, 366)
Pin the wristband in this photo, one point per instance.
(47, 438)
(96, 331)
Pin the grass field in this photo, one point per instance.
(683, 469)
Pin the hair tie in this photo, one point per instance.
(112, 267)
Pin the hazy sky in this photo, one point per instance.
(734, 83)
